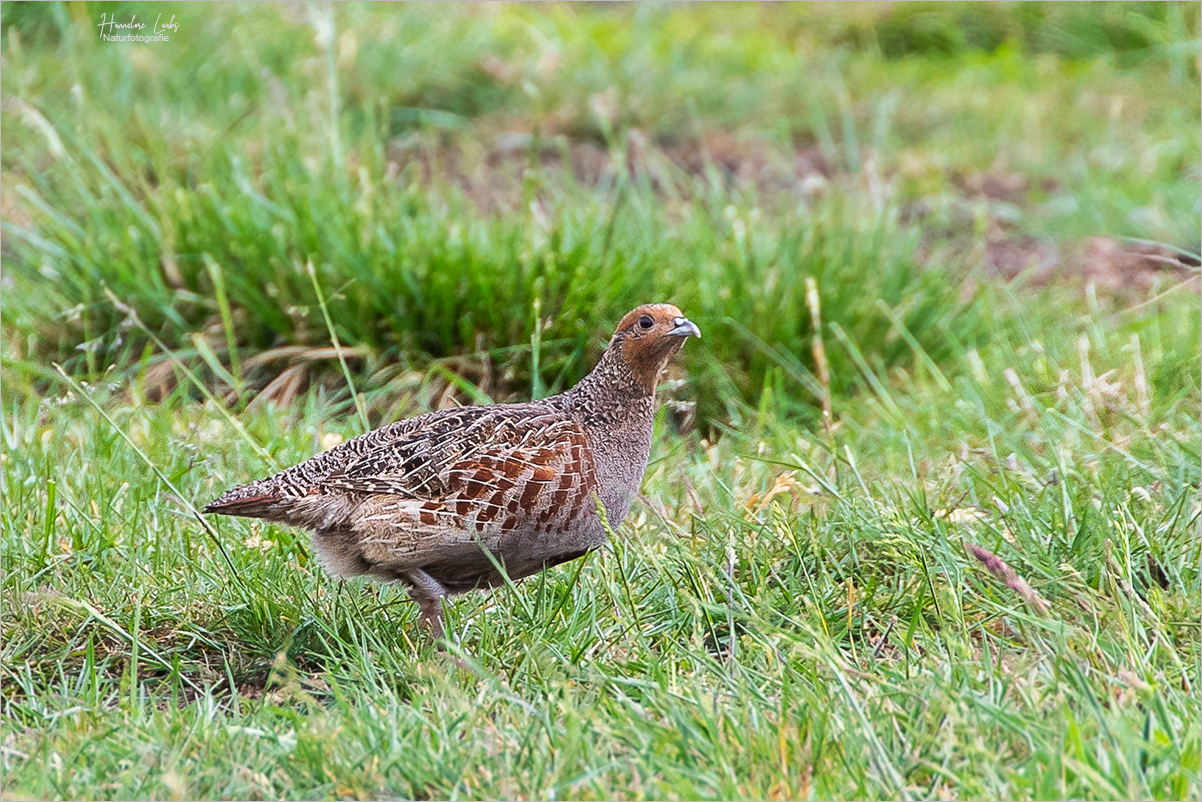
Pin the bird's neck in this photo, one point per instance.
(618, 412)
(614, 395)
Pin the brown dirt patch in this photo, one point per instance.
(1005, 187)
(1127, 270)
(493, 178)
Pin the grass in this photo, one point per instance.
(792, 610)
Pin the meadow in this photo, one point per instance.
(922, 515)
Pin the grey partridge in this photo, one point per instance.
(420, 500)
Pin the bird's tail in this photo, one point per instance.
(248, 501)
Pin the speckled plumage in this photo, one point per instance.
(419, 501)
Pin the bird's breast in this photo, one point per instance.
(621, 459)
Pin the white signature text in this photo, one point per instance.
(133, 31)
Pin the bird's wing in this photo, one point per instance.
(419, 461)
(443, 487)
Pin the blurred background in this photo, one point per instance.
(483, 189)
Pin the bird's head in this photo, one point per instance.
(648, 337)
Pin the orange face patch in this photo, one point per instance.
(657, 312)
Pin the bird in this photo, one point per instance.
(446, 501)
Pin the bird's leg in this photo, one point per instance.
(425, 590)
(431, 616)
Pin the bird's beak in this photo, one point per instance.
(683, 327)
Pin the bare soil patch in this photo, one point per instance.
(1125, 270)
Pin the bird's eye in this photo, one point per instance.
(645, 322)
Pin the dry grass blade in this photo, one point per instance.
(283, 389)
(1007, 576)
(303, 353)
(820, 362)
